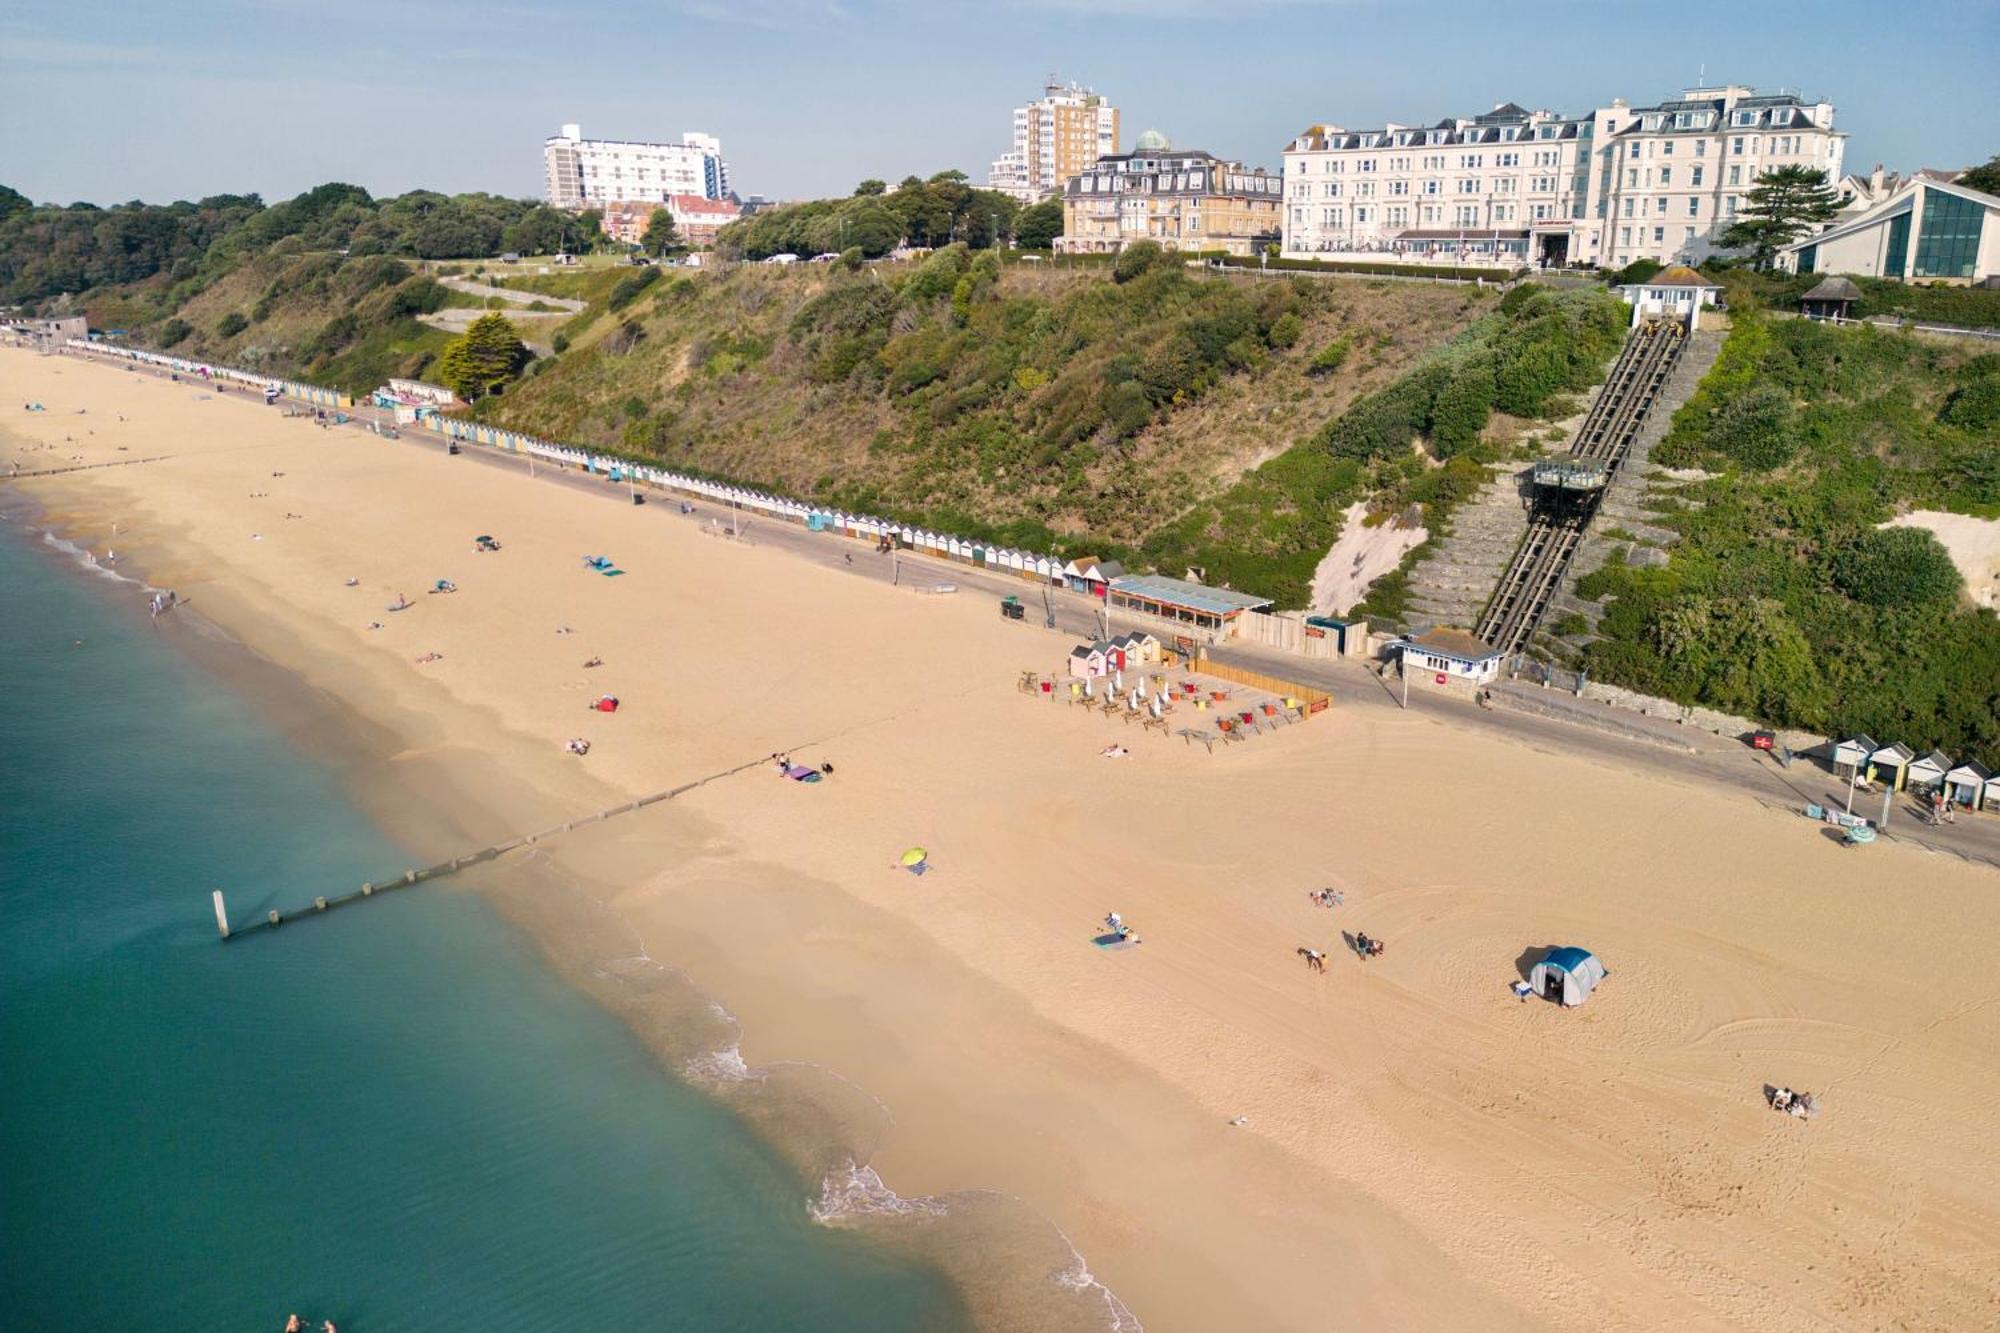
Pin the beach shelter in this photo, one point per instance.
(1929, 771)
(1567, 975)
(1966, 784)
(1850, 755)
(1891, 763)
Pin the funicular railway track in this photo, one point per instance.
(1557, 524)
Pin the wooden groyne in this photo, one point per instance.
(413, 876)
(86, 467)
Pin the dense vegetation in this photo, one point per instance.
(925, 213)
(1784, 598)
(47, 250)
(1018, 403)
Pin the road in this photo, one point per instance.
(1682, 754)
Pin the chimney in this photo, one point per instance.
(1875, 180)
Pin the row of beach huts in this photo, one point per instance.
(1971, 784)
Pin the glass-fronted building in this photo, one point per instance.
(1929, 231)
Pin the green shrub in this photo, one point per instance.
(1755, 429)
(1136, 260)
(230, 325)
(560, 343)
(1286, 330)
(1462, 407)
(1332, 356)
(1974, 406)
(1571, 625)
(1896, 567)
(173, 332)
(1639, 270)
(631, 286)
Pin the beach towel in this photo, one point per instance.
(1115, 940)
(611, 573)
(800, 773)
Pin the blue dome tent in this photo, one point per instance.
(1567, 975)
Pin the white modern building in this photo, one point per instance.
(1515, 186)
(1930, 230)
(584, 173)
(1055, 137)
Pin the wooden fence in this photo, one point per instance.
(1315, 700)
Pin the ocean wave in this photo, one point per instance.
(84, 558)
(1078, 1277)
(857, 1191)
(726, 1065)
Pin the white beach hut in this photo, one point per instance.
(1851, 754)
(1891, 764)
(1929, 771)
(1966, 784)
(1992, 793)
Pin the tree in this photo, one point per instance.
(1136, 259)
(1782, 206)
(661, 237)
(483, 359)
(12, 202)
(1985, 179)
(871, 186)
(1037, 227)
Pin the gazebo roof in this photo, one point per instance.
(1833, 289)
(1568, 959)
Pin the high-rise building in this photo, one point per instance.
(1055, 138)
(590, 173)
(1616, 184)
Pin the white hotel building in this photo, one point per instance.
(591, 173)
(1533, 187)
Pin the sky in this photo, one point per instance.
(108, 102)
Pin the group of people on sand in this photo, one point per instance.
(1940, 810)
(782, 764)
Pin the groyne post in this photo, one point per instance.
(221, 916)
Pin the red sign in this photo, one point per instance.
(1440, 677)
(1312, 633)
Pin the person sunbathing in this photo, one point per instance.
(593, 662)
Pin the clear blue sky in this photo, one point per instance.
(113, 101)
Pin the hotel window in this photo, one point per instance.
(1660, 206)
(1736, 146)
(1666, 175)
(1628, 208)
(1701, 148)
(1432, 187)
(1659, 236)
(1667, 148)
(1398, 216)
(1631, 177)
(1360, 215)
(1505, 185)
(1507, 160)
(1735, 175)
(1332, 190)
(1399, 187)
(1468, 185)
(1624, 236)
(1697, 175)
(1729, 206)
(1694, 208)
(1687, 234)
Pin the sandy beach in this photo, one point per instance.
(1418, 1148)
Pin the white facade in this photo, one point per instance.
(1930, 231)
(588, 173)
(1515, 186)
(1065, 130)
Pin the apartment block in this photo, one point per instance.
(1055, 137)
(1515, 186)
(1184, 199)
(592, 173)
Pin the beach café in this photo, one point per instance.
(1452, 656)
(1184, 602)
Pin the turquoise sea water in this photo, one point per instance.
(394, 1117)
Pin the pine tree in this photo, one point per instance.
(482, 359)
(1782, 206)
(661, 237)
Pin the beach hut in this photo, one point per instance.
(1138, 647)
(1850, 755)
(1966, 784)
(1992, 794)
(1090, 659)
(1891, 764)
(1929, 771)
(1567, 975)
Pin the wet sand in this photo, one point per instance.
(1421, 1150)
